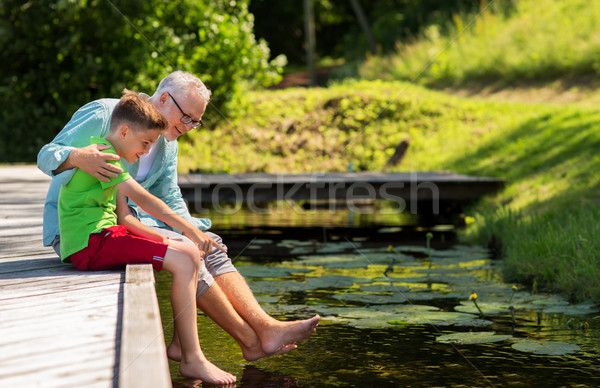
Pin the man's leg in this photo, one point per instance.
(273, 334)
(212, 301)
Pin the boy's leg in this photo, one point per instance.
(231, 304)
(114, 247)
(183, 261)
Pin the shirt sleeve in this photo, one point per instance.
(90, 120)
(120, 178)
(167, 189)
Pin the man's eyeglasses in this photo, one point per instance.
(185, 118)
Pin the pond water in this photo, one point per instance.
(398, 314)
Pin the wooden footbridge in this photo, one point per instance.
(65, 328)
(401, 187)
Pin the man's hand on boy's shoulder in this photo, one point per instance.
(92, 160)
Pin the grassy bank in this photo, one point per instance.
(526, 40)
(545, 221)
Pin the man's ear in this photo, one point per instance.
(123, 131)
(163, 98)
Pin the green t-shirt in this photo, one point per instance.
(86, 205)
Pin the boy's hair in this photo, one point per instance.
(138, 113)
(181, 81)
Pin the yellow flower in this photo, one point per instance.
(514, 288)
(473, 296)
(389, 248)
(469, 220)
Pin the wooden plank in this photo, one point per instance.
(143, 358)
(59, 326)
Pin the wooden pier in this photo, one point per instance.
(61, 327)
(403, 187)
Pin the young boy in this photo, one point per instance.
(98, 232)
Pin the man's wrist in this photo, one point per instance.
(69, 163)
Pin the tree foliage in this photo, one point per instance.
(338, 33)
(60, 54)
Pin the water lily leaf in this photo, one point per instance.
(578, 309)
(383, 288)
(266, 299)
(263, 271)
(551, 300)
(371, 323)
(548, 348)
(332, 261)
(337, 247)
(335, 281)
(403, 308)
(331, 320)
(427, 295)
(488, 308)
(441, 318)
(371, 298)
(482, 337)
(275, 286)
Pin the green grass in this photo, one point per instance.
(544, 222)
(536, 40)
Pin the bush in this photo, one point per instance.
(61, 54)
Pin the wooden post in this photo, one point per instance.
(362, 20)
(398, 154)
(309, 32)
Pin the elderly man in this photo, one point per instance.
(223, 294)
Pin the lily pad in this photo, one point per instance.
(488, 308)
(332, 261)
(482, 337)
(263, 271)
(384, 288)
(548, 348)
(335, 281)
(440, 318)
(578, 309)
(371, 298)
(266, 299)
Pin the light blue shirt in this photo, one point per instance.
(93, 119)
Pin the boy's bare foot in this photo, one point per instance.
(174, 352)
(284, 333)
(206, 371)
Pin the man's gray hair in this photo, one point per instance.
(181, 81)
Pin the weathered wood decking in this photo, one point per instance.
(60, 327)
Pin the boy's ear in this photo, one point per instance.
(123, 131)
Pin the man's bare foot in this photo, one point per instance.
(256, 353)
(281, 333)
(206, 371)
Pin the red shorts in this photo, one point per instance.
(113, 248)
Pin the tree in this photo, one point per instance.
(58, 55)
